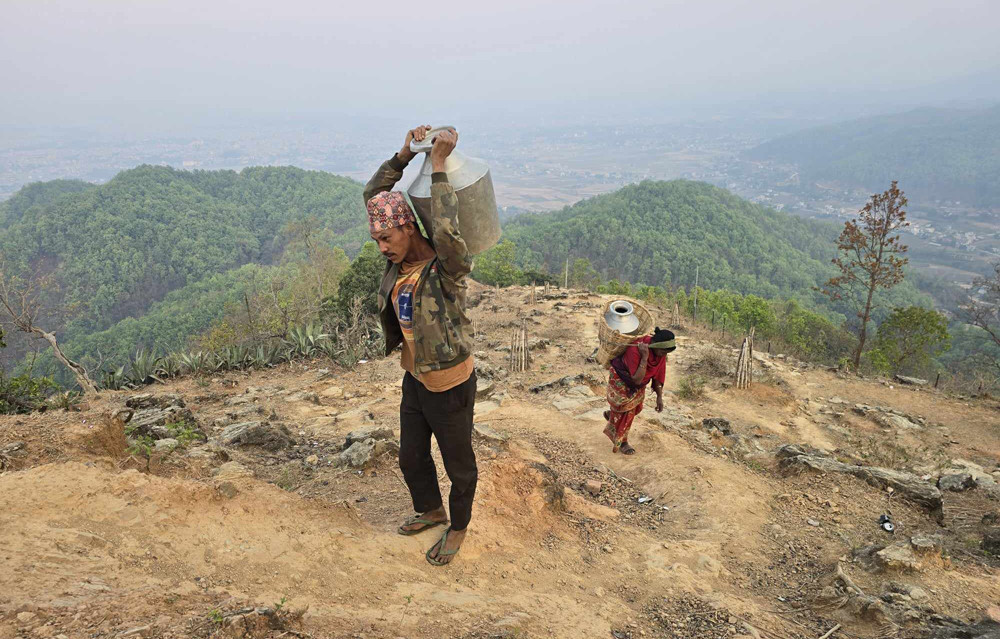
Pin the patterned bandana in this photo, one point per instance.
(388, 210)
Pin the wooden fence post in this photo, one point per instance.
(744, 364)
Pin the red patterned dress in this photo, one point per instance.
(626, 403)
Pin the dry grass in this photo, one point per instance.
(769, 393)
(714, 363)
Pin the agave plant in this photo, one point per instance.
(145, 367)
(170, 366)
(304, 340)
(233, 358)
(357, 337)
(114, 379)
(197, 362)
(266, 355)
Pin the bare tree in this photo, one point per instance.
(20, 301)
(985, 311)
(869, 257)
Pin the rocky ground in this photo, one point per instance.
(265, 504)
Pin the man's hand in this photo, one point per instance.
(418, 134)
(444, 144)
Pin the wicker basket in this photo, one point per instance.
(613, 343)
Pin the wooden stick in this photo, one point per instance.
(831, 631)
(847, 580)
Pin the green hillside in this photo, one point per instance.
(936, 154)
(658, 233)
(114, 250)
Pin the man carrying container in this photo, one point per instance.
(422, 310)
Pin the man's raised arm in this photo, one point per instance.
(392, 169)
(451, 250)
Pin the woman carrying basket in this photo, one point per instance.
(644, 361)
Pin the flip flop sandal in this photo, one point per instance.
(419, 520)
(440, 544)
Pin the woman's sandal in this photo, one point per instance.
(627, 449)
(434, 561)
(428, 524)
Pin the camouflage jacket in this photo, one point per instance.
(441, 329)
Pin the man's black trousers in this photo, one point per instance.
(448, 416)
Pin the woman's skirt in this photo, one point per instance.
(625, 405)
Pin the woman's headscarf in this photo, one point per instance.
(663, 339)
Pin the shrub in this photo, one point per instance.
(23, 394)
(691, 387)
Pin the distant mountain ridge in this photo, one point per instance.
(936, 154)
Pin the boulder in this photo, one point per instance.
(991, 541)
(594, 415)
(236, 400)
(910, 381)
(152, 422)
(956, 482)
(165, 445)
(926, 544)
(898, 556)
(893, 420)
(486, 433)
(484, 387)
(370, 432)
(717, 424)
(671, 418)
(255, 433)
(562, 381)
(593, 487)
(359, 454)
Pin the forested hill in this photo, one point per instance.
(113, 250)
(118, 247)
(650, 231)
(936, 154)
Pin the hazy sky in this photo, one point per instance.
(79, 61)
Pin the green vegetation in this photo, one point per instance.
(23, 394)
(691, 387)
(161, 273)
(110, 253)
(184, 432)
(496, 266)
(657, 233)
(909, 340)
(936, 154)
(297, 217)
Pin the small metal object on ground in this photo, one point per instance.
(886, 523)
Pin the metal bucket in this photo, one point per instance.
(478, 219)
